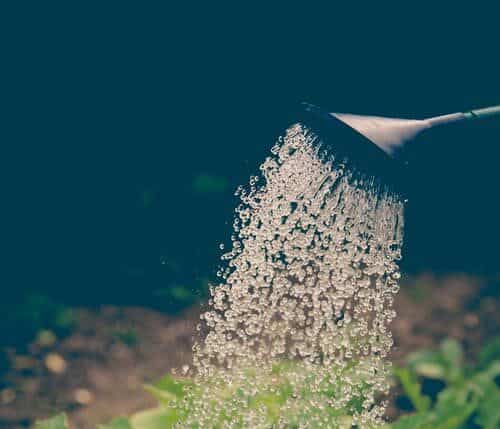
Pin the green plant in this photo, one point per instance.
(470, 397)
(57, 422)
(34, 313)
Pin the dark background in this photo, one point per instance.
(127, 129)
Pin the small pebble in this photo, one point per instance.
(83, 396)
(471, 320)
(55, 363)
(7, 396)
(31, 385)
(23, 363)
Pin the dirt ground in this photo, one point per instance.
(98, 371)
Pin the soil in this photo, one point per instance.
(98, 371)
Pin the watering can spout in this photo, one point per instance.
(374, 143)
(391, 134)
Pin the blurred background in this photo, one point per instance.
(126, 130)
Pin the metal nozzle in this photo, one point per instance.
(373, 142)
(390, 134)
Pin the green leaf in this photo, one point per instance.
(413, 389)
(445, 364)
(489, 411)
(155, 418)
(489, 353)
(427, 363)
(117, 423)
(57, 422)
(453, 356)
(454, 406)
(414, 421)
(483, 383)
(167, 389)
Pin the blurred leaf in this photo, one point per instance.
(489, 411)
(427, 363)
(453, 408)
(208, 184)
(453, 356)
(181, 293)
(34, 313)
(118, 423)
(64, 318)
(167, 389)
(415, 421)
(489, 353)
(493, 370)
(467, 394)
(57, 422)
(45, 338)
(483, 383)
(156, 418)
(444, 364)
(413, 389)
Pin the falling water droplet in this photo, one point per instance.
(310, 279)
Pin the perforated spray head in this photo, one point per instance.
(374, 142)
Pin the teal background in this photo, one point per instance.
(126, 130)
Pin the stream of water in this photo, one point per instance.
(309, 282)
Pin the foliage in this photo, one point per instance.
(470, 397)
(118, 423)
(57, 422)
(33, 314)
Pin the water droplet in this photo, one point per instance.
(310, 280)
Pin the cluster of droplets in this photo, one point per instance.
(310, 279)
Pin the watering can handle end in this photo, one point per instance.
(460, 116)
(483, 113)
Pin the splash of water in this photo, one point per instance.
(310, 281)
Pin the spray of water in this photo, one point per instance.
(305, 299)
